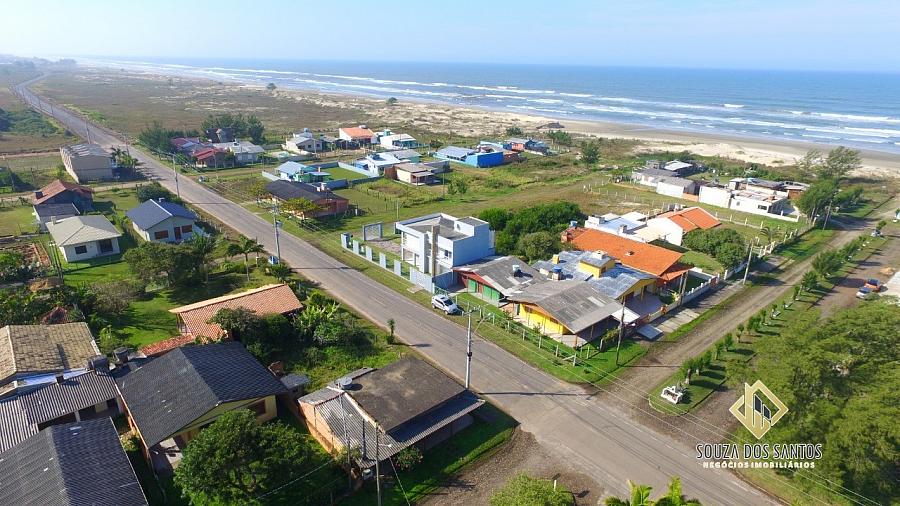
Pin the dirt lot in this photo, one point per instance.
(521, 454)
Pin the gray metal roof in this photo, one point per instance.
(20, 415)
(575, 304)
(170, 392)
(58, 210)
(71, 464)
(455, 152)
(677, 181)
(82, 229)
(498, 273)
(345, 413)
(151, 212)
(406, 154)
(619, 280)
(86, 150)
(403, 390)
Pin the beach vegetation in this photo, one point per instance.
(159, 139)
(271, 86)
(560, 137)
(590, 152)
(243, 126)
(514, 131)
(391, 101)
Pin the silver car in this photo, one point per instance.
(445, 304)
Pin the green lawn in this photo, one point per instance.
(703, 261)
(17, 220)
(341, 173)
(702, 385)
(440, 464)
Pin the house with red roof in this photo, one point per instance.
(671, 226)
(62, 192)
(360, 135)
(654, 260)
(211, 157)
(193, 319)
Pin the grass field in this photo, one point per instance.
(12, 142)
(17, 220)
(32, 172)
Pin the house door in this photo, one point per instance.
(177, 233)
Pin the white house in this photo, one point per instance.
(162, 221)
(303, 142)
(360, 135)
(244, 151)
(436, 243)
(675, 186)
(84, 237)
(390, 140)
(649, 177)
(715, 195)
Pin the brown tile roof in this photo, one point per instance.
(166, 345)
(44, 348)
(356, 132)
(265, 300)
(638, 255)
(696, 216)
(683, 223)
(56, 187)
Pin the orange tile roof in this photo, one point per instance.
(638, 255)
(682, 222)
(166, 345)
(56, 187)
(356, 132)
(697, 216)
(265, 300)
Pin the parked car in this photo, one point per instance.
(873, 284)
(865, 293)
(445, 304)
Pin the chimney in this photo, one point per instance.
(556, 275)
(53, 219)
(98, 363)
(555, 258)
(60, 377)
(38, 194)
(516, 270)
(622, 229)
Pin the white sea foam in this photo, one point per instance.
(733, 106)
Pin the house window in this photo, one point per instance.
(762, 207)
(186, 228)
(105, 245)
(80, 250)
(162, 234)
(258, 408)
(447, 253)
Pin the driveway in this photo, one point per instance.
(574, 425)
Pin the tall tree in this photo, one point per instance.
(236, 459)
(202, 248)
(639, 496)
(839, 162)
(590, 152)
(674, 496)
(300, 207)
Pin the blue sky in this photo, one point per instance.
(771, 34)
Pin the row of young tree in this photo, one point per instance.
(159, 138)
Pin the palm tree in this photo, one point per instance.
(245, 246)
(673, 496)
(203, 246)
(768, 233)
(640, 496)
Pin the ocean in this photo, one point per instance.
(840, 108)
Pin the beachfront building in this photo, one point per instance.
(673, 225)
(415, 174)
(303, 142)
(752, 196)
(390, 140)
(436, 243)
(87, 162)
(484, 156)
(357, 136)
(676, 187)
(676, 168)
(519, 145)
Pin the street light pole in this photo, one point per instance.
(175, 171)
(469, 351)
(749, 257)
(277, 242)
(377, 466)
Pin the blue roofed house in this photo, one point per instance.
(292, 171)
(162, 221)
(485, 156)
(375, 163)
(436, 243)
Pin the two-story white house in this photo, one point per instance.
(436, 243)
(162, 221)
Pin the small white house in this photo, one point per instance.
(84, 237)
(244, 151)
(303, 142)
(162, 221)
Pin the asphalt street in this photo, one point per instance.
(592, 433)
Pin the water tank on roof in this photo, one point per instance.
(344, 382)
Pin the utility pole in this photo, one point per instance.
(377, 467)
(747, 268)
(175, 171)
(275, 224)
(469, 351)
(621, 330)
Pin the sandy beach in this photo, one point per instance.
(439, 118)
(483, 122)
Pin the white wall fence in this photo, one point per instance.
(397, 267)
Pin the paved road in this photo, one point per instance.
(593, 435)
